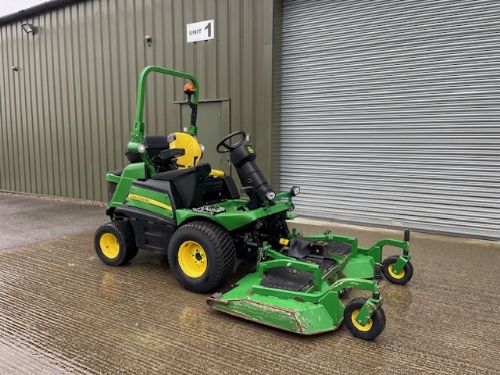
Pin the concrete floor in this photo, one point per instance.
(62, 310)
(27, 219)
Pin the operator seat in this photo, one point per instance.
(189, 184)
(217, 186)
(154, 145)
(195, 186)
(193, 151)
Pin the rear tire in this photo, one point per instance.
(115, 244)
(201, 255)
(372, 328)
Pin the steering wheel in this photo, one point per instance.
(223, 146)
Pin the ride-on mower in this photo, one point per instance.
(167, 200)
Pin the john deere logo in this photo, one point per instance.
(250, 149)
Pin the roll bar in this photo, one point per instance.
(137, 134)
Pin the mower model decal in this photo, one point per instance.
(153, 202)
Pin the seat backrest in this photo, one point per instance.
(155, 144)
(192, 148)
(189, 184)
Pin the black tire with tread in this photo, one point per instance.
(220, 251)
(408, 269)
(125, 235)
(378, 320)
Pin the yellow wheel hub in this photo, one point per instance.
(395, 275)
(109, 245)
(192, 259)
(358, 326)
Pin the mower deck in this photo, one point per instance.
(297, 295)
(294, 315)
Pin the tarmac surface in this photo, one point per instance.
(63, 311)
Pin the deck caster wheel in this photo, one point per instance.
(114, 243)
(372, 328)
(202, 256)
(400, 278)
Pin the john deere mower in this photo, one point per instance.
(167, 200)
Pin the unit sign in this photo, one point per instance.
(203, 30)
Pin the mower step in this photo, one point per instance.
(301, 248)
(324, 263)
(287, 279)
(339, 248)
(296, 280)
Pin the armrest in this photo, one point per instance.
(171, 153)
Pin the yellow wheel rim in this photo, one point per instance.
(192, 259)
(358, 326)
(394, 275)
(110, 246)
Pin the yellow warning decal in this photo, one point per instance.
(153, 202)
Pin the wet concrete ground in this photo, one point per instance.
(27, 219)
(62, 310)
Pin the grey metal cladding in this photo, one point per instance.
(65, 115)
(390, 112)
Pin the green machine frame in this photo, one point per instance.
(315, 309)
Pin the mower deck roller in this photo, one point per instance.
(167, 200)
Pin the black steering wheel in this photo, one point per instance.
(223, 146)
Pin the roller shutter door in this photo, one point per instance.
(390, 112)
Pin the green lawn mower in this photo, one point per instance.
(167, 200)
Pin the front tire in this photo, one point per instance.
(201, 256)
(114, 243)
(372, 328)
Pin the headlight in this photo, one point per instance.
(270, 195)
(202, 148)
(141, 148)
(295, 190)
(171, 138)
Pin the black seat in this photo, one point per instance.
(189, 184)
(154, 145)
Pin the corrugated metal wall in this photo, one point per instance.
(66, 114)
(390, 112)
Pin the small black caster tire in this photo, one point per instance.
(372, 329)
(114, 243)
(401, 278)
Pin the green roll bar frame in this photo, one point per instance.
(137, 133)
